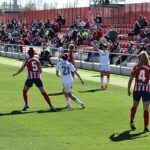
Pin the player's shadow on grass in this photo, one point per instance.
(126, 135)
(55, 94)
(19, 112)
(90, 91)
(96, 76)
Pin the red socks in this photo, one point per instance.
(25, 97)
(47, 98)
(146, 118)
(133, 112)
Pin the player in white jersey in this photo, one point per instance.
(64, 70)
(104, 65)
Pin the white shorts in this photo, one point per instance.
(105, 68)
(67, 86)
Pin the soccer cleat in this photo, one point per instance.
(132, 125)
(25, 107)
(146, 130)
(83, 105)
(52, 109)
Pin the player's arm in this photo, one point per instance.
(79, 77)
(40, 67)
(19, 71)
(129, 85)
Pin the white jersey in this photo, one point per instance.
(104, 57)
(65, 68)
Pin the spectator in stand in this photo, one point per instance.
(136, 30)
(148, 49)
(147, 30)
(59, 20)
(113, 35)
(87, 24)
(99, 33)
(115, 48)
(63, 21)
(140, 20)
(129, 54)
(37, 41)
(142, 48)
(142, 36)
(144, 23)
(98, 21)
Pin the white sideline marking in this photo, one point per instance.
(87, 75)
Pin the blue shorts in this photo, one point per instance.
(37, 82)
(137, 95)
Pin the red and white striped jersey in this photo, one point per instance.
(34, 67)
(142, 77)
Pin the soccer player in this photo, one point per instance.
(104, 65)
(141, 73)
(64, 70)
(71, 49)
(34, 77)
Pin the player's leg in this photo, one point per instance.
(67, 87)
(27, 86)
(146, 115)
(136, 99)
(67, 100)
(132, 114)
(107, 79)
(39, 84)
(146, 103)
(102, 80)
(75, 99)
(25, 97)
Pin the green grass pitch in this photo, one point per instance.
(102, 125)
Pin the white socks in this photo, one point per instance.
(68, 101)
(103, 82)
(78, 101)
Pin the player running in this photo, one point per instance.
(104, 65)
(65, 69)
(34, 77)
(141, 73)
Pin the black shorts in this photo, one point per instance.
(137, 95)
(30, 82)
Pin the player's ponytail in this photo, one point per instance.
(143, 59)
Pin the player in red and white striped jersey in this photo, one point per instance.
(34, 77)
(141, 73)
(34, 68)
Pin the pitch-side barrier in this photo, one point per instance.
(84, 58)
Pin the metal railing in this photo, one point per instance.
(81, 55)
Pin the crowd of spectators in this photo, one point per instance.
(36, 33)
(81, 32)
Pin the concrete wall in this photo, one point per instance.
(80, 64)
